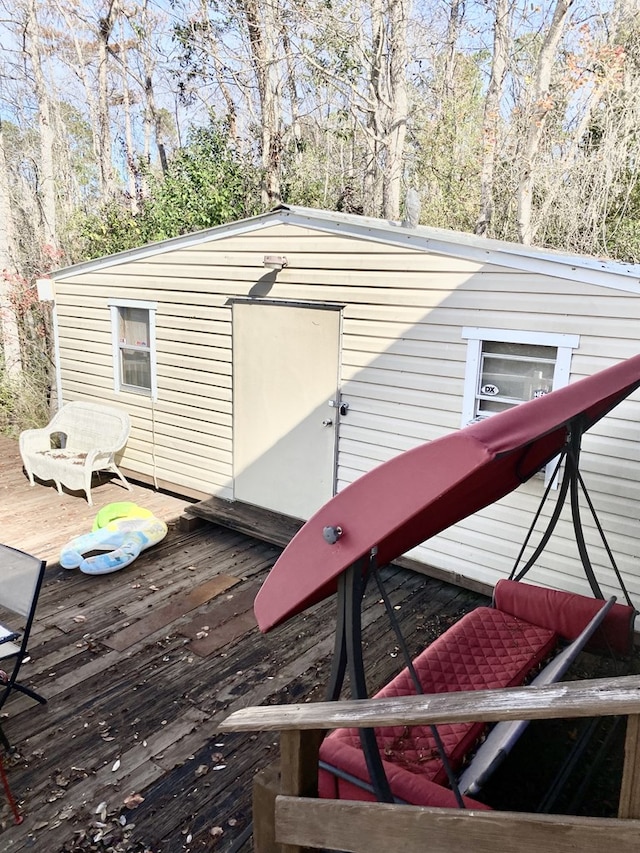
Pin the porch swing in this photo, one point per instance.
(529, 633)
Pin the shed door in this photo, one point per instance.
(285, 372)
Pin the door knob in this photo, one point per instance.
(327, 422)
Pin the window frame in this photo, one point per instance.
(476, 336)
(564, 344)
(119, 386)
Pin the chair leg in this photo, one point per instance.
(11, 683)
(21, 688)
(121, 476)
(17, 817)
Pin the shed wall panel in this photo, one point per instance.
(403, 367)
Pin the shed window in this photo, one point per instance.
(133, 329)
(505, 368)
(512, 373)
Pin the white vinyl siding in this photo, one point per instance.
(403, 370)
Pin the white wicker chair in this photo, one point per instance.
(92, 434)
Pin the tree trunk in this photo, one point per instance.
(105, 160)
(132, 168)
(46, 172)
(263, 34)
(385, 106)
(375, 123)
(540, 108)
(396, 129)
(456, 13)
(9, 333)
(491, 118)
(148, 67)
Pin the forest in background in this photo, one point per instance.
(123, 123)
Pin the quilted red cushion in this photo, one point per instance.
(415, 788)
(486, 649)
(567, 613)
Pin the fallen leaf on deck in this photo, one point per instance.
(55, 795)
(133, 801)
(216, 831)
(116, 765)
(202, 770)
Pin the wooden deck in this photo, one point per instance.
(40, 521)
(141, 666)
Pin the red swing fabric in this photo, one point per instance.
(567, 613)
(423, 491)
(486, 649)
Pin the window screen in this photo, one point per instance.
(511, 373)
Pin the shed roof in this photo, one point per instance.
(442, 241)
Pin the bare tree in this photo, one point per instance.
(9, 334)
(152, 113)
(502, 42)
(132, 168)
(372, 85)
(395, 98)
(261, 20)
(454, 25)
(541, 104)
(34, 49)
(105, 27)
(603, 74)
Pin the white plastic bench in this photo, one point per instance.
(90, 436)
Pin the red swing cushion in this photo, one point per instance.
(567, 613)
(486, 649)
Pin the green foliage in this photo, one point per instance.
(24, 397)
(445, 148)
(113, 228)
(207, 184)
(623, 224)
(23, 401)
(623, 240)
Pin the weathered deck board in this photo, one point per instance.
(160, 617)
(275, 528)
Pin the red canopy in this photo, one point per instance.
(412, 497)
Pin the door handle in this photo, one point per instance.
(327, 422)
(338, 404)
